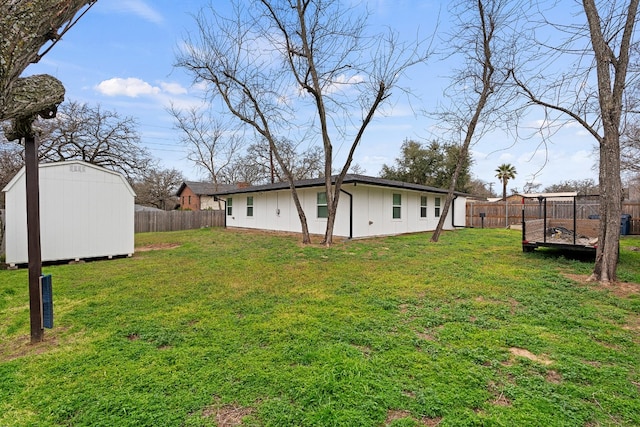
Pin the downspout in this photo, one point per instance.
(453, 213)
(350, 212)
(225, 212)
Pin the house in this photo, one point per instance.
(368, 207)
(196, 196)
(85, 212)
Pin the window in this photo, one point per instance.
(250, 206)
(323, 210)
(189, 201)
(437, 204)
(229, 206)
(423, 206)
(397, 206)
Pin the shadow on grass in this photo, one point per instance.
(552, 253)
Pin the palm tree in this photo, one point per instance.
(504, 173)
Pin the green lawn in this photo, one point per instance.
(218, 327)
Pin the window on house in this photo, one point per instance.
(250, 206)
(437, 205)
(323, 209)
(423, 206)
(229, 206)
(189, 200)
(397, 206)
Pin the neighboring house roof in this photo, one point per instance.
(204, 188)
(348, 179)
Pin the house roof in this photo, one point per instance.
(348, 179)
(204, 188)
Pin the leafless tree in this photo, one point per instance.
(158, 188)
(10, 163)
(484, 41)
(303, 164)
(212, 146)
(630, 149)
(591, 92)
(94, 135)
(299, 70)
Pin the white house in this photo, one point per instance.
(368, 207)
(85, 212)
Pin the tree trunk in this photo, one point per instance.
(332, 209)
(610, 91)
(610, 211)
(306, 239)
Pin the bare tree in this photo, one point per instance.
(630, 149)
(297, 70)
(158, 188)
(303, 164)
(10, 163)
(96, 136)
(212, 145)
(584, 187)
(478, 91)
(592, 95)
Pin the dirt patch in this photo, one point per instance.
(394, 415)
(500, 398)
(157, 247)
(619, 289)
(21, 345)
(521, 352)
(553, 377)
(426, 336)
(227, 415)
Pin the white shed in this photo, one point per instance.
(86, 211)
(368, 207)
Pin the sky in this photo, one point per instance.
(121, 55)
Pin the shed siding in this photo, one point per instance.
(85, 212)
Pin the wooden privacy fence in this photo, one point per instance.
(494, 212)
(177, 220)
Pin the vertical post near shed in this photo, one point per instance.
(33, 236)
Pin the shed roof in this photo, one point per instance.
(41, 166)
(348, 179)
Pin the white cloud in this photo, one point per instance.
(173, 88)
(131, 87)
(139, 8)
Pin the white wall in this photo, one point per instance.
(85, 212)
(209, 202)
(372, 211)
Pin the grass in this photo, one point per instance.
(218, 327)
